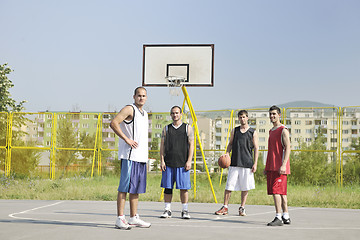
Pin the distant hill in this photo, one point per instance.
(299, 104)
(283, 105)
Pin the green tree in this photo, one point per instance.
(311, 166)
(7, 103)
(23, 161)
(351, 168)
(66, 137)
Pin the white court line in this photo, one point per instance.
(53, 220)
(12, 215)
(188, 225)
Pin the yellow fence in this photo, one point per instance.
(45, 136)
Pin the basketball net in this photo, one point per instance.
(174, 84)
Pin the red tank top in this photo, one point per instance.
(276, 151)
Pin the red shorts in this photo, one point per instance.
(276, 183)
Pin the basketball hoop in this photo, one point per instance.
(174, 84)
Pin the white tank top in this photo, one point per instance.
(137, 130)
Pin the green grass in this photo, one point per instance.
(104, 189)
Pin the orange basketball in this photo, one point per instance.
(224, 161)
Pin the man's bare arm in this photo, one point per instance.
(125, 114)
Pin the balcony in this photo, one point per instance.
(109, 139)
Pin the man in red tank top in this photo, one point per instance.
(278, 167)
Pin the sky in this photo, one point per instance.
(86, 55)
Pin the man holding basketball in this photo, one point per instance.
(278, 167)
(244, 146)
(176, 151)
(131, 125)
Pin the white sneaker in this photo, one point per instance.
(166, 214)
(137, 222)
(185, 214)
(121, 223)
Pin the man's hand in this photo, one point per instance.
(132, 143)
(188, 166)
(163, 166)
(253, 169)
(282, 169)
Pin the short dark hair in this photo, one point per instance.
(176, 107)
(273, 107)
(136, 89)
(242, 112)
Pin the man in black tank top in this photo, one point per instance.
(176, 151)
(244, 146)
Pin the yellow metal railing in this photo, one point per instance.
(9, 119)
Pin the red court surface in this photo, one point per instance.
(31, 219)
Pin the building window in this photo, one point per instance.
(297, 130)
(345, 122)
(85, 125)
(297, 122)
(48, 125)
(49, 116)
(345, 131)
(333, 131)
(308, 139)
(345, 140)
(262, 122)
(262, 130)
(308, 122)
(227, 121)
(86, 116)
(158, 117)
(262, 139)
(308, 130)
(333, 140)
(157, 126)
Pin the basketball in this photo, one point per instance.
(224, 161)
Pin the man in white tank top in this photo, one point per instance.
(131, 125)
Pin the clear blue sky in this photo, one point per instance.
(87, 55)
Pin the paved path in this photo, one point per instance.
(29, 219)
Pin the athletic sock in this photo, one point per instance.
(226, 206)
(121, 216)
(184, 206)
(278, 215)
(167, 206)
(286, 215)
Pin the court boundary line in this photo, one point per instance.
(191, 225)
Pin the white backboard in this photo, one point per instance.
(193, 62)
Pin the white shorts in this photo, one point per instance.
(240, 179)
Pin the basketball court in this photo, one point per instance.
(34, 219)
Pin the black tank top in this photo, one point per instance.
(242, 148)
(176, 146)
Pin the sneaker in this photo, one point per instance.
(185, 214)
(166, 214)
(242, 211)
(222, 211)
(137, 222)
(286, 221)
(275, 222)
(121, 223)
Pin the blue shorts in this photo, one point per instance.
(178, 175)
(133, 177)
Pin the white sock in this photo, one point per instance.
(133, 218)
(225, 206)
(286, 215)
(184, 206)
(121, 216)
(167, 206)
(278, 215)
